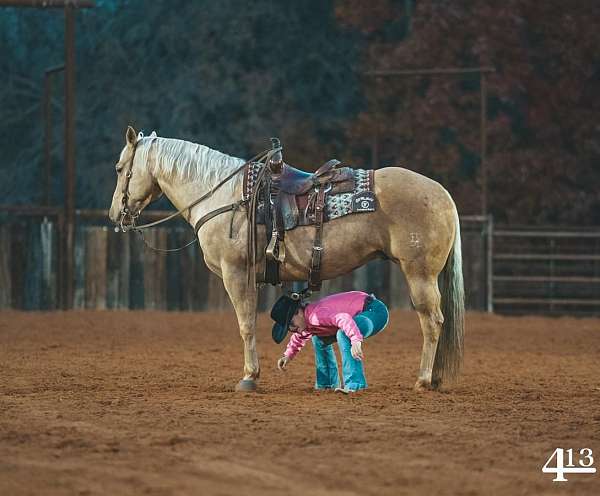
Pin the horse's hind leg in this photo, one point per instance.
(425, 296)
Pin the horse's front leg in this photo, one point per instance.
(244, 300)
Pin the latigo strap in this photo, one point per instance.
(314, 275)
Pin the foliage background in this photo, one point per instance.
(229, 74)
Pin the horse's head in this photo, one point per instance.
(136, 187)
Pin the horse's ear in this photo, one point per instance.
(153, 134)
(130, 136)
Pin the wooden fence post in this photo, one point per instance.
(95, 263)
(155, 278)
(32, 286)
(5, 271)
(117, 271)
(79, 253)
(174, 276)
(18, 266)
(136, 272)
(48, 262)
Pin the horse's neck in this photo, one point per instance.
(182, 191)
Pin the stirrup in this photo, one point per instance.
(281, 252)
(275, 249)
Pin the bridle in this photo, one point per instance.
(125, 214)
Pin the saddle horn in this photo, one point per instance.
(276, 161)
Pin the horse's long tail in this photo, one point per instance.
(449, 355)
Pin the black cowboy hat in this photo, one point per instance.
(282, 313)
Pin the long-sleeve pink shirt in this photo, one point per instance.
(326, 316)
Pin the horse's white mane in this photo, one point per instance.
(179, 159)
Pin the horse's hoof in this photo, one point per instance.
(245, 386)
(422, 386)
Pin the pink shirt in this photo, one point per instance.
(326, 316)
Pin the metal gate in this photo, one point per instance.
(546, 271)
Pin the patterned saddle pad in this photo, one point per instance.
(298, 210)
(362, 199)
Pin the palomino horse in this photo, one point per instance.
(415, 225)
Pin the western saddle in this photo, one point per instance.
(298, 182)
(296, 198)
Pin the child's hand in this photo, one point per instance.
(282, 362)
(356, 350)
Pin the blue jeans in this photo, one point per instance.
(371, 321)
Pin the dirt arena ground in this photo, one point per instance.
(119, 403)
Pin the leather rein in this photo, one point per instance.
(126, 214)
